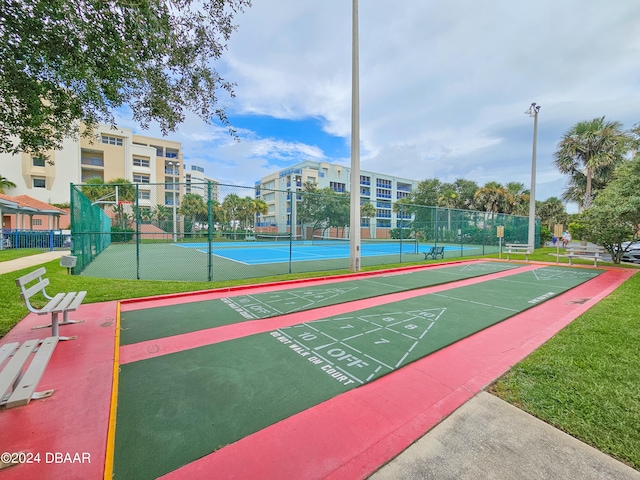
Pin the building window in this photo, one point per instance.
(39, 182)
(37, 222)
(38, 161)
(111, 140)
(144, 195)
(137, 178)
(337, 187)
(140, 162)
(159, 150)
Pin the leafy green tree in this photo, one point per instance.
(5, 183)
(465, 191)
(427, 193)
(516, 199)
(614, 216)
(367, 210)
(491, 197)
(94, 189)
(233, 206)
(126, 192)
(193, 207)
(66, 61)
(310, 210)
(590, 150)
(552, 211)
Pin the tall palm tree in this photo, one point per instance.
(590, 149)
(5, 183)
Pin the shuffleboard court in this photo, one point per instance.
(160, 322)
(201, 399)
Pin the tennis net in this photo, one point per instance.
(284, 237)
(383, 245)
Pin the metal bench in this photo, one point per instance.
(17, 381)
(434, 253)
(589, 253)
(60, 303)
(516, 248)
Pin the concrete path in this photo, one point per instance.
(31, 261)
(489, 438)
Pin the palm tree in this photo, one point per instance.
(5, 183)
(516, 199)
(551, 211)
(590, 149)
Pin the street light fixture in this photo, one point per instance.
(532, 111)
(174, 166)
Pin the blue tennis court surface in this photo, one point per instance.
(262, 253)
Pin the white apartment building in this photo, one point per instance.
(113, 153)
(379, 189)
(197, 182)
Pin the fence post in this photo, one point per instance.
(209, 233)
(137, 213)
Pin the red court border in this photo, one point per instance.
(348, 437)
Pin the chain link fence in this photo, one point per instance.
(215, 232)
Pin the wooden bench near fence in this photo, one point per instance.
(516, 248)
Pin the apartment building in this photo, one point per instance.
(379, 189)
(110, 154)
(197, 182)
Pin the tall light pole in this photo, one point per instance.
(173, 189)
(354, 218)
(532, 111)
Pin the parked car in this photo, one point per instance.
(632, 253)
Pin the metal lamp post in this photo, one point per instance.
(173, 189)
(354, 220)
(532, 111)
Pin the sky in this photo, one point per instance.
(443, 87)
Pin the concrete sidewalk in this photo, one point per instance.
(31, 261)
(489, 438)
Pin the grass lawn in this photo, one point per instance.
(13, 253)
(585, 380)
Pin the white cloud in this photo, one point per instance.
(443, 85)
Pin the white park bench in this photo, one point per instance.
(515, 248)
(17, 381)
(60, 303)
(584, 252)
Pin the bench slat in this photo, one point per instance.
(77, 301)
(27, 386)
(6, 350)
(29, 277)
(27, 293)
(52, 305)
(63, 304)
(13, 369)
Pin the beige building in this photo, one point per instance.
(113, 153)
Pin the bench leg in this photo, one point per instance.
(55, 324)
(66, 321)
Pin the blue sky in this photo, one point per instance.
(443, 86)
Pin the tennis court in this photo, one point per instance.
(180, 384)
(281, 249)
(229, 260)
